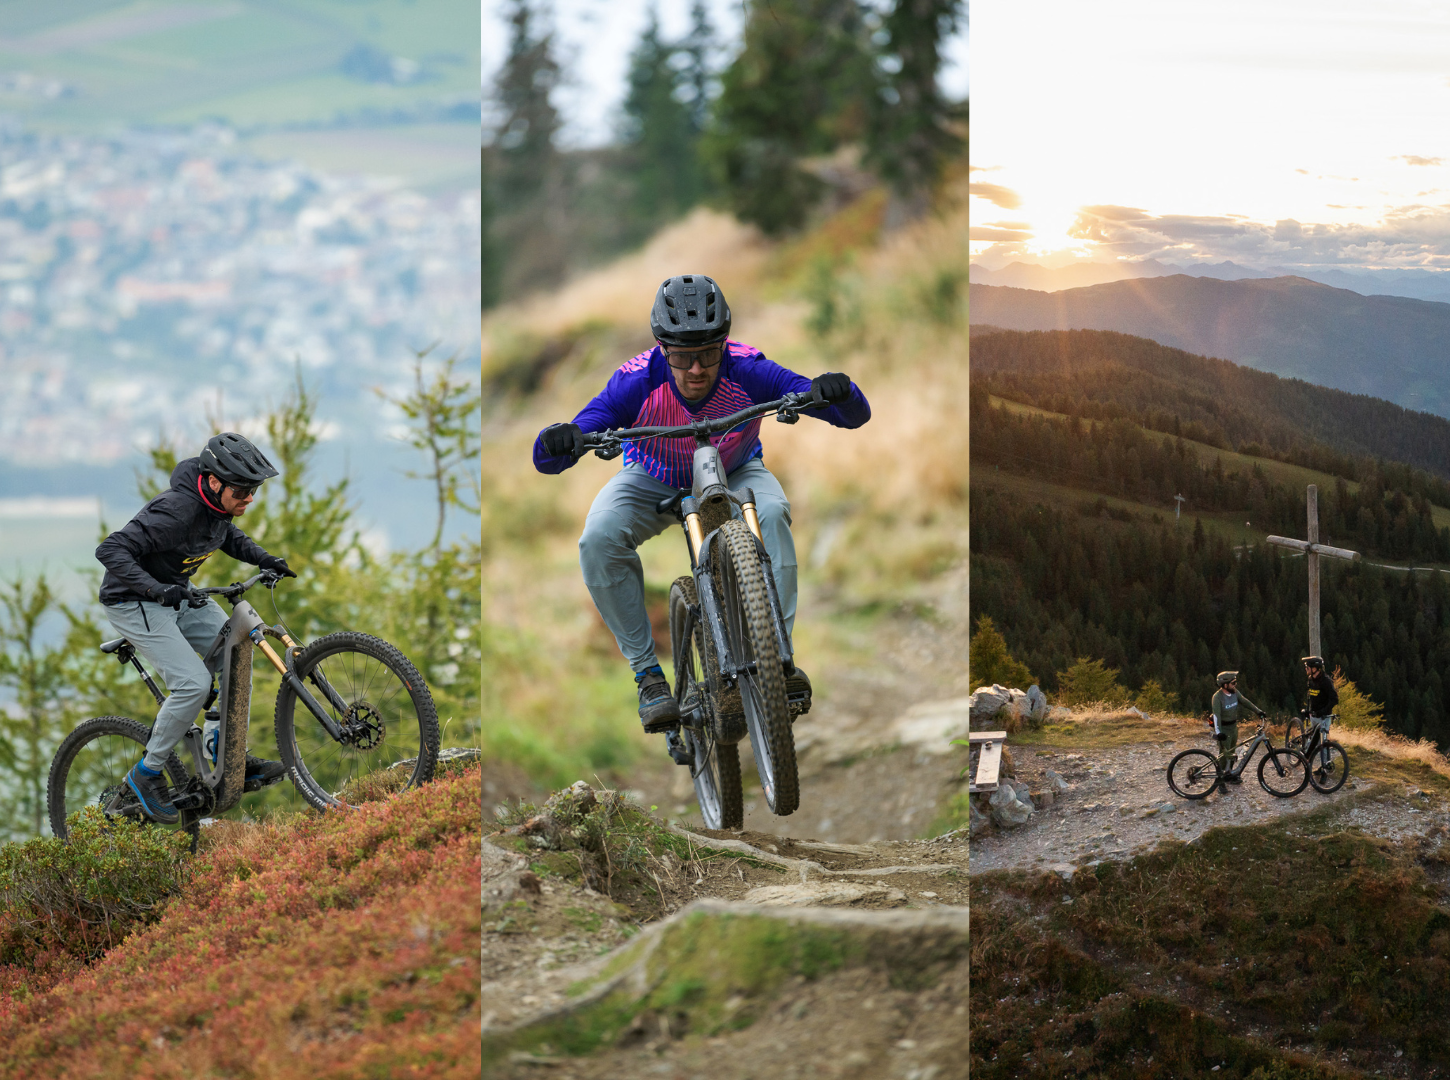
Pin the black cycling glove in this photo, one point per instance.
(562, 439)
(832, 387)
(277, 565)
(173, 596)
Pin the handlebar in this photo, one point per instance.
(609, 444)
(236, 588)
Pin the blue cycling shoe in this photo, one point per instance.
(150, 789)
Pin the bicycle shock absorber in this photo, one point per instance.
(747, 509)
(693, 526)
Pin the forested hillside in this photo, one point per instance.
(1076, 552)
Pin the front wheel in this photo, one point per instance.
(378, 700)
(750, 632)
(90, 767)
(715, 768)
(1193, 774)
(1328, 776)
(1283, 773)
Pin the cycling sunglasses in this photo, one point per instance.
(242, 492)
(707, 358)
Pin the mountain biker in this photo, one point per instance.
(693, 372)
(148, 598)
(1323, 700)
(1226, 721)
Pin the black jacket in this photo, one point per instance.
(168, 540)
(1322, 696)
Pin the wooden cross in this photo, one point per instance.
(1313, 549)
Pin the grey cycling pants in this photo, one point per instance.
(623, 517)
(170, 641)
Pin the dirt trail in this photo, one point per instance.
(1118, 804)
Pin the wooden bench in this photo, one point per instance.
(989, 760)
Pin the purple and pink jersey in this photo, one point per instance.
(642, 393)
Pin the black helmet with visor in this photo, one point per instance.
(233, 460)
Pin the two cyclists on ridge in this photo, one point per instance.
(694, 372)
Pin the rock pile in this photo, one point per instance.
(1007, 706)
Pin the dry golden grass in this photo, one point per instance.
(1396, 747)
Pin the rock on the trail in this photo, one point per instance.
(932, 725)
(978, 821)
(1036, 702)
(1009, 809)
(826, 893)
(1056, 782)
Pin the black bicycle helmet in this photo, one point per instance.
(1314, 661)
(232, 459)
(690, 310)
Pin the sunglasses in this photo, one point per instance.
(241, 492)
(683, 361)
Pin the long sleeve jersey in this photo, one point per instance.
(642, 393)
(168, 540)
(1322, 696)
(1226, 710)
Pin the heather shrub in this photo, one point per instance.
(79, 897)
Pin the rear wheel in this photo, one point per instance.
(90, 767)
(750, 632)
(1193, 774)
(716, 767)
(1282, 772)
(378, 699)
(1329, 775)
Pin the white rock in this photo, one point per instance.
(987, 701)
(931, 726)
(1036, 702)
(824, 894)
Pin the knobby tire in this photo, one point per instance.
(1193, 774)
(378, 684)
(750, 631)
(716, 771)
(90, 760)
(1283, 772)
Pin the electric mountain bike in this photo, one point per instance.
(1328, 763)
(1283, 772)
(732, 653)
(363, 707)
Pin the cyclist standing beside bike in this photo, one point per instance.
(1323, 699)
(693, 373)
(148, 598)
(1226, 702)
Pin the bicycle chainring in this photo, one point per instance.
(362, 726)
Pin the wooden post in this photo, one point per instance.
(1313, 559)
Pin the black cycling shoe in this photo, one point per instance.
(1234, 779)
(658, 710)
(798, 693)
(678, 748)
(262, 773)
(150, 789)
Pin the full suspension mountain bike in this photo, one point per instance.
(1328, 763)
(349, 704)
(1283, 772)
(732, 653)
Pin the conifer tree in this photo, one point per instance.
(660, 131)
(911, 134)
(801, 86)
(988, 661)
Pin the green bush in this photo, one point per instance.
(1152, 698)
(1356, 709)
(988, 660)
(81, 896)
(1088, 682)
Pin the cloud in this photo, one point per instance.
(996, 194)
(979, 232)
(1410, 236)
(1416, 159)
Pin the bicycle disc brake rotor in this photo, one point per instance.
(118, 801)
(362, 726)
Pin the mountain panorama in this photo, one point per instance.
(1390, 347)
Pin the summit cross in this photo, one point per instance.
(1313, 549)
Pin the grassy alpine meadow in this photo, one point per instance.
(333, 945)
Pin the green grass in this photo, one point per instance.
(1336, 941)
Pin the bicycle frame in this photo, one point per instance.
(230, 656)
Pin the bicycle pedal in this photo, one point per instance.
(249, 786)
(679, 750)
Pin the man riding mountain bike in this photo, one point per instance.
(1226, 702)
(694, 372)
(148, 598)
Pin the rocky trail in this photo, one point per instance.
(1113, 803)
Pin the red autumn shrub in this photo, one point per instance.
(339, 945)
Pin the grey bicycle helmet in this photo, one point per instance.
(1226, 677)
(232, 459)
(689, 310)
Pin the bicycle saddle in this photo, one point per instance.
(109, 647)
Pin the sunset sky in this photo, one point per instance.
(1309, 133)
